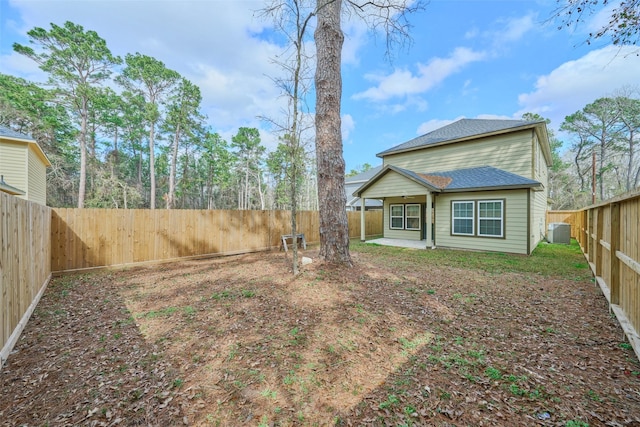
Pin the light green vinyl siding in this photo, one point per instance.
(402, 234)
(539, 198)
(515, 218)
(13, 164)
(394, 184)
(510, 152)
(37, 185)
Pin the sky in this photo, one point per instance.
(465, 59)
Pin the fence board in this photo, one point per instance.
(25, 264)
(616, 224)
(85, 238)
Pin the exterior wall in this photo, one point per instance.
(539, 199)
(401, 234)
(511, 152)
(13, 164)
(515, 227)
(37, 184)
(392, 184)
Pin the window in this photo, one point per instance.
(396, 217)
(405, 217)
(490, 218)
(413, 217)
(462, 218)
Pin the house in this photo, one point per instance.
(23, 166)
(352, 183)
(484, 183)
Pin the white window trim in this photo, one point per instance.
(492, 218)
(407, 216)
(391, 217)
(473, 217)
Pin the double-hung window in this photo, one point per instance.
(405, 217)
(462, 218)
(396, 217)
(490, 218)
(412, 214)
(482, 218)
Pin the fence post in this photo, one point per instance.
(596, 243)
(614, 279)
(588, 243)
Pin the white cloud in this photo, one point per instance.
(402, 82)
(514, 29)
(348, 124)
(574, 84)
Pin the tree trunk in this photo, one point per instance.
(334, 228)
(172, 173)
(152, 167)
(83, 156)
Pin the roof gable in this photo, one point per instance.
(462, 129)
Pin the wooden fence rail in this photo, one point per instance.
(86, 238)
(25, 267)
(609, 237)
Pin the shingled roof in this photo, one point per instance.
(460, 130)
(470, 179)
(8, 133)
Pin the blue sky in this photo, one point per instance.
(468, 58)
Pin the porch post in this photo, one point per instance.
(428, 220)
(362, 223)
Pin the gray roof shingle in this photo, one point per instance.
(470, 179)
(364, 176)
(462, 128)
(6, 132)
(483, 177)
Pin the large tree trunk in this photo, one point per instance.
(152, 167)
(172, 172)
(83, 157)
(334, 228)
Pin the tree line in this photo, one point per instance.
(603, 137)
(130, 133)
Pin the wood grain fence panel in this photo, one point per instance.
(25, 264)
(82, 238)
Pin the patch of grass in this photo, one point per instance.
(493, 373)
(247, 293)
(269, 394)
(221, 295)
(177, 383)
(592, 395)
(165, 312)
(625, 345)
(546, 260)
(391, 401)
(576, 423)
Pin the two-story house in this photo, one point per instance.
(473, 184)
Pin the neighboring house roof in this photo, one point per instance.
(470, 179)
(352, 183)
(465, 129)
(8, 134)
(5, 132)
(364, 176)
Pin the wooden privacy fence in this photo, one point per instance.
(86, 238)
(609, 237)
(25, 267)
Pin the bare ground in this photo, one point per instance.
(238, 341)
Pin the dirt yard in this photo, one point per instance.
(395, 341)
